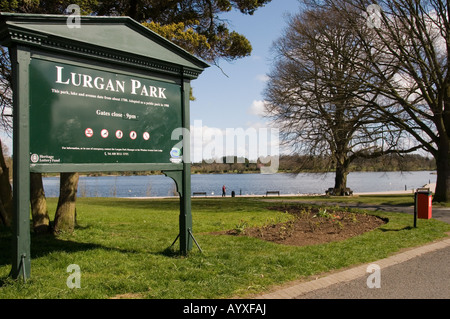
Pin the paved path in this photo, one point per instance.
(421, 272)
(427, 277)
(418, 273)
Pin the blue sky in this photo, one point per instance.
(230, 102)
(234, 101)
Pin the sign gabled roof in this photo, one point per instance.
(118, 38)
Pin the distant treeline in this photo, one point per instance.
(395, 162)
(291, 163)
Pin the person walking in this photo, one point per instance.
(224, 191)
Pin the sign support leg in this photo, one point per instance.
(21, 262)
(182, 180)
(193, 238)
(185, 212)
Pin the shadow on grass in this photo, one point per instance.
(170, 252)
(44, 244)
(395, 229)
(133, 203)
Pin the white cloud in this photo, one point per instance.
(257, 108)
(257, 125)
(262, 77)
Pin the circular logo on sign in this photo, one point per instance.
(119, 134)
(34, 158)
(175, 152)
(89, 132)
(146, 136)
(104, 133)
(133, 135)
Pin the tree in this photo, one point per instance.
(314, 97)
(39, 211)
(37, 194)
(413, 75)
(65, 217)
(6, 198)
(5, 122)
(192, 24)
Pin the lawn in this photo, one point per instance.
(122, 247)
(396, 199)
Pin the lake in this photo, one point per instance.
(244, 184)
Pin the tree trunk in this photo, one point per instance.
(442, 193)
(340, 180)
(6, 198)
(65, 212)
(39, 211)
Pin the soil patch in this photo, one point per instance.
(311, 226)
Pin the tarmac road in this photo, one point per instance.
(424, 277)
(419, 273)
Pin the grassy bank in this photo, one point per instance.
(121, 246)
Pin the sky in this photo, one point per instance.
(231, 100)
(234, 100)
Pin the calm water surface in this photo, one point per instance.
(245, 184)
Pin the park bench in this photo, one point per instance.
(273, 192)
(199, 193)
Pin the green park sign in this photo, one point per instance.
(83, 115)
(106, 95)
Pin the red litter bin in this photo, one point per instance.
(424, 203)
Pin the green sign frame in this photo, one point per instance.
(72, 111)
